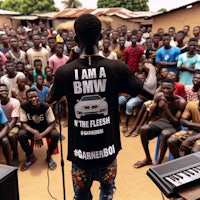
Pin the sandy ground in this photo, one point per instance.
(38, 183)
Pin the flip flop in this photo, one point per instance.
(52, 164)
(142, 163)
(124, 129)
(134, 134)
(28, 163)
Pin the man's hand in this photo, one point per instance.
(37, 135)
(186, 144)
(162, 103)
(38, 143)
(148, 66)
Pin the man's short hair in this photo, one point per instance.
(87, 28)
(31, 90)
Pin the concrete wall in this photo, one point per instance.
(178, 18)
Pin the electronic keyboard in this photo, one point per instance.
(173, 176)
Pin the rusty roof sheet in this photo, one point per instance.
(120, 12)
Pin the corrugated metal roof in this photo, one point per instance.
(7, 12)
(121, 12)
(47, 15)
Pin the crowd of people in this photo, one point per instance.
(30, 63)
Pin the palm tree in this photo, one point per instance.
(72, 3)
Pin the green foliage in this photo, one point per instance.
(29, 6)
(72, 3)
(1, 3)
(133, 5)
(162, 10)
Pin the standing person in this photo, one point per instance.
(38, 69)
(10, 78)
(196, 33)
(151, 50)
(58, 59)
(37, 52)
(191, 92)
(167, 56)
(170, 107)
(188, 62)
(5, 46)
(15, 53)
(120, 50)
(179, 37)
(91, 84)
(106, 52)
(133, 54)
(37, 122)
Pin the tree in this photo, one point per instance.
(1, 3)
(72, 3)
(29, 6)
(133, 5)
(162, 10)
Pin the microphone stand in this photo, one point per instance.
(61, 152)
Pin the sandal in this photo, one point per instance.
(28, 163)
(52, 164)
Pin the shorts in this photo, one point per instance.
(158, 126)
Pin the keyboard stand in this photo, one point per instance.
(191, 193)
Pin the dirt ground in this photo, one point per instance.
(38, 183)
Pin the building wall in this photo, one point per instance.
(178, 18)
(117, 22)
(5, 19)
(113, 21)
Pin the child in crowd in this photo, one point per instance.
(50, 78)
(29, 75)
(20, 66)
(41, 89)
(38, 69)
(19, 92)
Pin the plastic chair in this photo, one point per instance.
(158, 150)
(158, 147)
(56, 151)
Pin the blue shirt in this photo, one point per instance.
(168, 55)
(3, 118)
(41, 94)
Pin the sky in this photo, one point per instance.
(154, 5)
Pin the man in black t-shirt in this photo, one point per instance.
(37, 121)
(91, 84)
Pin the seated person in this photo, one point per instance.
(187, 140)
(170, 107)
(4, 141)
(37, 121)
(131, 103)
(11, 108)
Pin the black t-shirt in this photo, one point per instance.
(92, 95)
(37, 118)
